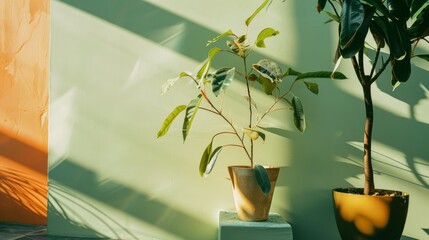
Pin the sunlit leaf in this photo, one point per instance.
(191, 111)
(169, 119)
(249, 19)
(212, 160)
(262, 179)
(266, 33)
(206, 66)
(254, 134)
(225, 34)
(205, 159)
(222, 79)
(298, 114)
(269, 69)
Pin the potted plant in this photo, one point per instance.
(254, 181)
(396, 25)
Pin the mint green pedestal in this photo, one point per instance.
(275, 228)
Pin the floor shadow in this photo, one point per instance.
(126, 200)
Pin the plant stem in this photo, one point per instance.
(250, 107)
(366, 82)
(369, 187)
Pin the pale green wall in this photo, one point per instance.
(111, 177)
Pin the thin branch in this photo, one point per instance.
(375, 61)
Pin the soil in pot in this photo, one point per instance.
(251, 204)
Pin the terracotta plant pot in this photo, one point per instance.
(361, 216)
(251, 204)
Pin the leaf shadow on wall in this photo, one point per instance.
(122, 198)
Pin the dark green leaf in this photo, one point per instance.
(354, 27)
(320, 5)
(397, 39)
(169, 119)
(313, 87)
(205, 159)
(249, 19)
(222, 79)
(420, 28)
(321, 74)
(266, 33)
(291, 72)
(262, 179)
(417, 7)
(298, 114)
(379, 7)
(399, 9)
(191, 111)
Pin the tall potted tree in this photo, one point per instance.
(253, 184)
(398, 26)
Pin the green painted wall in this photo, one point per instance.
(110, 177)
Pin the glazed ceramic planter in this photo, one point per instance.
(361, 216)
(251, 204)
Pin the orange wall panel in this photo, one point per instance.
(24, 68)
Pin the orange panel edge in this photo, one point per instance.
(24, 73)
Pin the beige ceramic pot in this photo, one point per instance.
(365, 217)
(251, 204)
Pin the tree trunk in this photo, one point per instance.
(369, 187)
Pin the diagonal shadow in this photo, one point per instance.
(127, 200)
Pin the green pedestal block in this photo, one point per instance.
(275, 228)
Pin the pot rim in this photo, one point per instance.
(344, 191)
(247, 166)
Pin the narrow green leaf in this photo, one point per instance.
(212, 160)
(266, 33)
(249, 19)
(191, 111)
(262, 179)
(298, 114)
(225, 34)
(205, 159)
(291, 72)
(222, 79)
(321, 74)
(333, 17)
(169, 119)
(206, 66)
(417, 7)
(313, 87)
